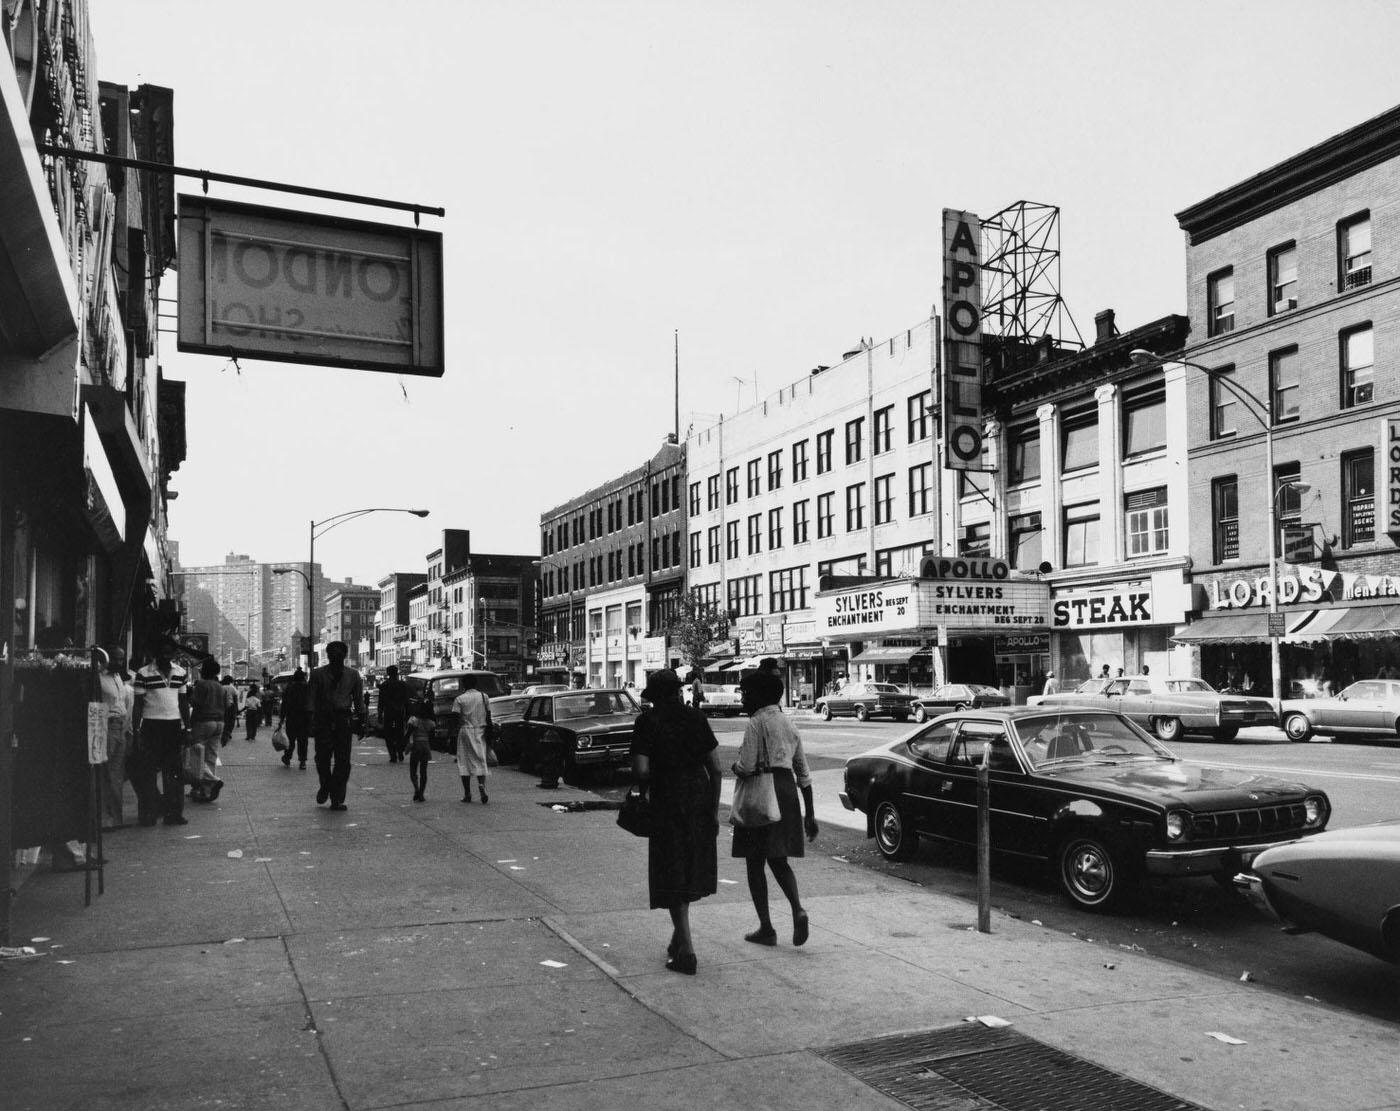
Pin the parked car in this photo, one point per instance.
(721, 698)
(510, 707)
(1168, 706)
(1084, 790)
(866, 700)
(956, 696)
(441, 688)
(593, 728)
(1344, 884)
(543, 688)
(1371, 706)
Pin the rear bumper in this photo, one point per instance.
(1252, 888)
(1201, 862)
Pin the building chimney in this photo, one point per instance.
(1104, 326)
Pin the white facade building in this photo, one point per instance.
(617, 627)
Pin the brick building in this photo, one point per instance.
(1294, 298)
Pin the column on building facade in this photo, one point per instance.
(1111, 522)
(994, 447)
(1178, 486)
(1051, 495)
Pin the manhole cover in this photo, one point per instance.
(976, 1068)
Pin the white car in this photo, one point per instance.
(543, 688)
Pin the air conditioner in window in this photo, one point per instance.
(1364, 393)
(1285, 304)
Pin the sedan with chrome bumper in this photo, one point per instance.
(582, 729)
(1170, 706)
(1085, 791)
(1344, 884)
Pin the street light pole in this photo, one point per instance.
(1263, 412)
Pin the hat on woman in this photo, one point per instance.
(661, 684)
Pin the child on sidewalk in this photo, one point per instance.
(252, 712)
(420, 751)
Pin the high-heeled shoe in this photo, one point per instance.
(682, 962)
(672, 948)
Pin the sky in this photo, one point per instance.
(757, 183)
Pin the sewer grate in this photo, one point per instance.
(977, 1068)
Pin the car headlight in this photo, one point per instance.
(1314, 811)
(584, 741)
(1178, 824)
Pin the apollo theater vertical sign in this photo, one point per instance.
(962, 340)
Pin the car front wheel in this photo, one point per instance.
(964, 706)
(920, 714)
(1090, 873)
(825, 711)
(862, 714)
(1168, 729)
(1297, 727)
(894, 836)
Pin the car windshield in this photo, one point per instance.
(1181, 686)
(1091, 686)
(980, 688)
(1054, 739)
(882, 688)
(587, 704)
(508, 705)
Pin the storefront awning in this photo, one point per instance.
(1364, 622)
(882, 654)
(1236, 628)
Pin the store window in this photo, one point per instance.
(1225, 518)
(1081, 534)
(1358, 497)
(1358, 366)
(1145, 522)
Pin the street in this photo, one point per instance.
(1195, 922)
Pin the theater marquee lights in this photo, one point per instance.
(962, 340)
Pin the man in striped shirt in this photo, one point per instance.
(161, 722)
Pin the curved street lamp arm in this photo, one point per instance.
(351, 514)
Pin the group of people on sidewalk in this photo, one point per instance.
(408, 729)
(674, 759)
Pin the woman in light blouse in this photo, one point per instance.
(772, 738)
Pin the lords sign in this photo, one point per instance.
(962, 340)
(269, 283)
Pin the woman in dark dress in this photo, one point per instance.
(674, 757)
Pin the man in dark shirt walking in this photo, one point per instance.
(336, 699)
(393, 712)
(295, 716)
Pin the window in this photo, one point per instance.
(799, 522)
(712, 492)
(1283, 385)
(799, 461)
(1079, 440)
(694, 500)
(824, 450)
(1025, 547)
(755, 533)
(1144, 419)
(855, 507)
(1358, 497)
(731, 540)
(889, 561)
(1358, 359)
(824, 514)
(712, 536)
(655, 500)
(1223, 414)
(920, 413)
(1283, 279)
(775, 470)
(1146, 521)
(882, 430)
(656, 553)
(787, 590)
(884, 499)
(676, 493)
(754, 484)
(851, 565)
(1225, 518)
(1081, 534)
(1288, 497)
(855, 433)
(976, 540)
(1220, 295)
(920, 491)
(744, 597)
(1023, 451)
(775, 529)
(1354, 251)
(731, 486)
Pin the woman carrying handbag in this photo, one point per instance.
(674, 758)
(772, 742)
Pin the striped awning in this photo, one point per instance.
(1236, 628)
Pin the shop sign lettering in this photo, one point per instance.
(1308, 585)
(940, 567)
(1392, 470)
(962, 340)
(887, 606)
(1080, 611)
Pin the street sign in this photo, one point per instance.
(1278, 624)
(1297, 543)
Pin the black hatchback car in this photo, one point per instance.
(1086, 791)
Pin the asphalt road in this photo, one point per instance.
(1195, 921)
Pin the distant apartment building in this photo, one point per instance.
(392, 625)
(351, 611)
(251, 611)
(612, 568)
(489, 606)
(1293, 288)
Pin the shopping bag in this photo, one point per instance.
(755, 800)
(635, 815)
(279, 739)
(193, 759)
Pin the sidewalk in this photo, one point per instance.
(503, 956)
